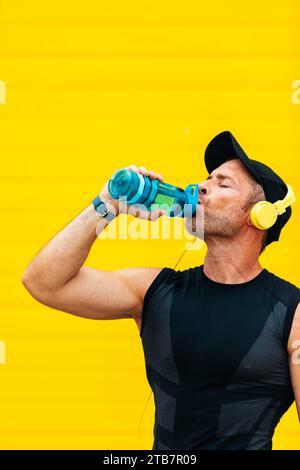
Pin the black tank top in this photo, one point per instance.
(216, 358)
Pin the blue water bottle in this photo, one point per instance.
(136, 188)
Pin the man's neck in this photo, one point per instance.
(231, 263)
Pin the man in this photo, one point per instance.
(219, 339)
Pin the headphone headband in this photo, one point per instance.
(287, 201)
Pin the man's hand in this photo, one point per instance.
(132, 209)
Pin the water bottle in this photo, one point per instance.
(135, 188)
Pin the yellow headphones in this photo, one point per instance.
(264, 213)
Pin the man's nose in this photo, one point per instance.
(202, 189)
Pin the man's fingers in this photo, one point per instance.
(150, 173)
(133, 167)
(144, 171)
(156, 214)
(144, 214)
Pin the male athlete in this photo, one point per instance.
(220, 340)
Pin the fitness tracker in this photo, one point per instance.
(102, 209)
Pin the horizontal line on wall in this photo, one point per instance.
(244, 55)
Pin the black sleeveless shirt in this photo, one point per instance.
(216, 358)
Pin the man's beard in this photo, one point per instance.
(208, 222)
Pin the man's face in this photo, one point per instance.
(222, 208)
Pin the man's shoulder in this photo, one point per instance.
(282, 279)
(147, 280)
(281, 287)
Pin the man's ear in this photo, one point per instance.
(249, 221)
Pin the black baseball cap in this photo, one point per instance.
(223, 146)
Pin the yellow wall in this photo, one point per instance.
(91, 87)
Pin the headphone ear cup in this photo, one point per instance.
(263, 215)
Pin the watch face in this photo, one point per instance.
(102, 209)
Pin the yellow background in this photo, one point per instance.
(93, 86)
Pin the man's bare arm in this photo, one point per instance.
(294, 357)
(57, 277)
(100, 295)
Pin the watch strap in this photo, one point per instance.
(102, 209)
